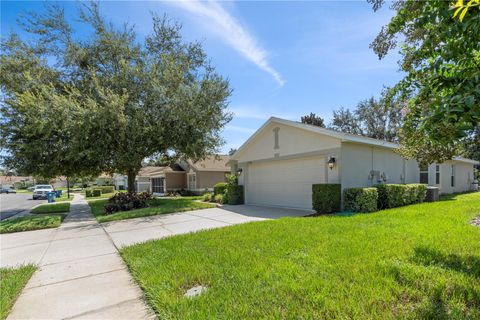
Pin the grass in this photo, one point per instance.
(52, 208)
(12, 281)
(157, 206)
(419, 261)
(103, 196)
(29, 223)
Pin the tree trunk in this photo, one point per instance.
(68, 189)
(131, 180)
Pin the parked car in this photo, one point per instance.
(41, 190)
(8, 190)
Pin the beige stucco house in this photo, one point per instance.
(279, 163)
(183, 175)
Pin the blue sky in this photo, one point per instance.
(282, 58)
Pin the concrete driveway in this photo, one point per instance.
(131, 231)
(11, 204)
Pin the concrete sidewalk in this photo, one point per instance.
(131, 231)
(80, 272)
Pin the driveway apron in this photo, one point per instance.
(80, 273)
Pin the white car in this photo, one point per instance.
(41, 190)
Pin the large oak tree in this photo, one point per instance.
(78, 105)
(440, 56)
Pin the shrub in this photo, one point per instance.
(186, 193)
(127, 201)
(219, 198)
(106, 189)
(88, 193)
(397, 195)
(207, 197)
(172, 194)
(234, 194)
(326, 197)
(219, 188)
(360, 199)
(97, 192)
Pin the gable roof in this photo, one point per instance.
(211, 163)
(149, 170)
(344, 137)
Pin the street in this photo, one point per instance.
(11, 204)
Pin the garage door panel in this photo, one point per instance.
(285, 183)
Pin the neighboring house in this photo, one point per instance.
(104, 179)
(279, 163)
(183, 175)
(14, 181)
(59, 182)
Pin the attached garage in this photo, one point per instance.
(284, 183)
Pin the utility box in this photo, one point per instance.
(432, 194)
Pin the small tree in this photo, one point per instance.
(313, 120)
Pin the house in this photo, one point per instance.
(279, 163)
(10, 181)
(182, 175)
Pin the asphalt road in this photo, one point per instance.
(11, 204)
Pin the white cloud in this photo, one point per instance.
(230, 30)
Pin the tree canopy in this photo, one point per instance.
(440, 56)
(313, 119)
(379, 119)
(82, 105)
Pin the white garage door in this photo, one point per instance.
(284, 183)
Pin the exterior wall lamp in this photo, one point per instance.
(331, 162)
(239, 171)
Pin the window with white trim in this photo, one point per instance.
(437, 174)
(424, 173)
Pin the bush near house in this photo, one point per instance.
(360, 199)
(207, 197)
(397, 195)
(220, 198)
(127, 201)
(106, 189)
(219, 188)
(234, 194)
(326, 198)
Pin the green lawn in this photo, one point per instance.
(28, 223)
(416, 262)
(52, 208)
(103, 196)
(157, 206)
(12, 281)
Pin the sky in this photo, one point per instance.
(282, 58)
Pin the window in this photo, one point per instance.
(437, 174)
(424, 174)
(452, 178)
(157, 185)
(192, 181)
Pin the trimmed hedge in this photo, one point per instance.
(326, 197)
(397, 195)
(234, 194)
(360, 199)
(219, 188)
(106, 189)
(97, 192)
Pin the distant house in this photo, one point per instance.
(15, 181)
(279, 163)
(183, 175)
